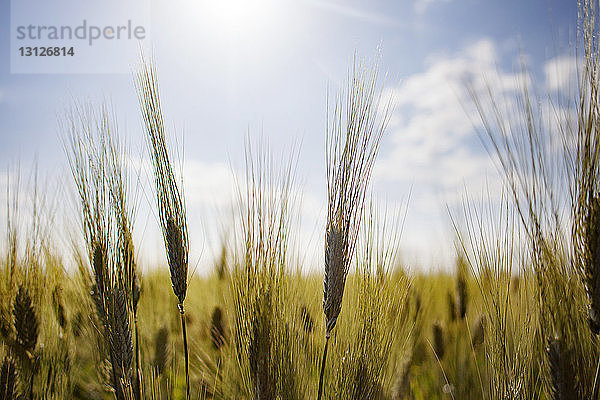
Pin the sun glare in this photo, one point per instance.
(241, 17)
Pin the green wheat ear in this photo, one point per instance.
(217, 328)
(352, 142)
(161, 350)
(97, 165)
(27, 331)
(439, 340)
(26, 321)
(169, 196)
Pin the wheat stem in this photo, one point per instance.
(185, 351)
(322, 374)
(138, 383)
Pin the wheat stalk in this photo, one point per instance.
(118, 183)
(261, 333)
(353, 137)
(97, 165)
(168, 195)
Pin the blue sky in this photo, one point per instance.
(232, 68)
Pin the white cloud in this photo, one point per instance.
(435, 149)
(212, 199)
(561, 74)
(208, 184)
(433, 136)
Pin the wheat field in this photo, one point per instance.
(518, 317)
